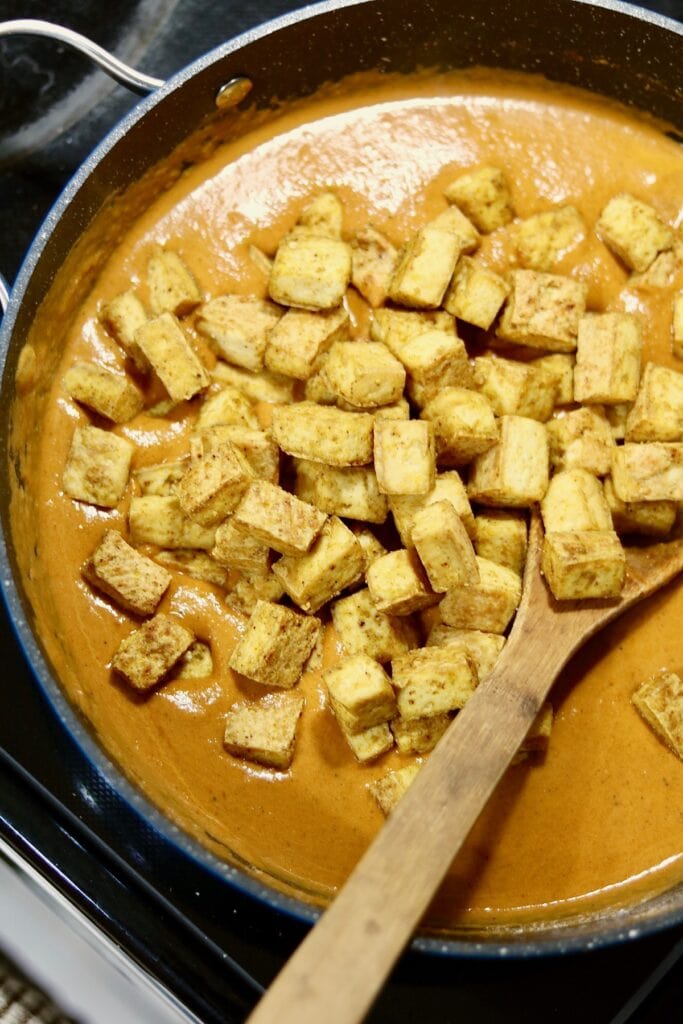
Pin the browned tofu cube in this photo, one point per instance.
(483, 649)
(323, 215)
(172, 288)
(515, 471)
(133, 581)
(660, 702)
(275, 645)
(237, 327)
(435, 360)
(363, 629)
(279, 519)
(213, 486)
(543, 311)
(444, 547)
(581, 439)
(195, 663)
(425, 266)
(350, 491)
(515, 389)
(543, 239)
(310, 272)
(464, 425)
(196, 564)
(448, 486)
(575, 501)
(476, 293)
(371, 743)
(633, 231)
(297, 342)
(616, 417)
(501, 537)
(607, 358)
(261, 453)
(158, 519)
(264, 731)
(364, 373)
(237, 549)
(227, 407)
(649, 518)
(146, 655)
(398, 584)
(258, 387)
(109, 394)
(398, 327)
(560, 366)
(404, 456)
(388, 790)
(484, 195)
(657, 414)
(334, 562)
(583, 564)
(97, 467)
(648, 472)
(249, 590)
(162, 478)
(432, 681)
(419, 735)
(122, 317)
(321, 434)
(373, 259)
(360, 693)
(487, 605)
(371, 547)
(166, 347)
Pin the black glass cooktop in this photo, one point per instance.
(211, 945)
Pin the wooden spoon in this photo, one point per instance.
(337, 971)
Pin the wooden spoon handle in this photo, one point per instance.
(337, 971)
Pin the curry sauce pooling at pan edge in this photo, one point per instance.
(593, 821)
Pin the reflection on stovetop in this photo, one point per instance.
(211, 945)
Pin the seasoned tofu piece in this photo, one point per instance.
(258, 387)
(97, 467)
(445, 550)
(388, 790)
(617, 416)
(657, 414)
(649, 518)
(542, 240)
(483, 649)
(476, 293)
(395, 411)
(322, 434)
(262, 454)
(371, 743)
(172, 288)
(162, 478)
(575, 501)
(324, 215)
(515, 471)
(464, 425)
(147, 654)
(373, 259)
(633, 231)
(435, 360)
(249, 590)
(453, 220)
(363, 629)
(419, 735)
(237, 549)
(543, 311)
(213, 486)
(398, 327)
(165, 345)
(432, 681)
(677, 326)
(195, 663)
(607, 358)
(425, 266)
(501, 537)
(660, 702)
(648, 472)
(371, 547)
(583, 564)
(488, 605)
(275, 645)
(264, 731)
(310, 272)
(298, 340)
(360, 693)
(561, 367)
(398, 584)
(112, 395)
(122, 317)
(350, 491)
(158, 519)
(132, 580)
(404, 456)
(581, 439)
(229, 406)
(334, 562)
(237, 327)
(448, 486)
(484, 195)
(364, 373)
(278, 519)
(514, 388)
(196, 564)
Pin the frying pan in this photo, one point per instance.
(622, 52)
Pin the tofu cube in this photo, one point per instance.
(464, 425)
(112, 395)
(484, 195)
(607, 358)
(373, 259)
(617, 416)
(542, 240)
(476, 293)
(633, 231)
(159, 520)
(648, 472)
(398, 327)
(264, 731)
(515, 471)
(677, 326)
(165, 345)
(388, 790)
(122, 317)
(660, 702)
(132, 580)
(419, 735)
(404, 456)
(435, 360)
(583, 564)
(195, 663)
(262, 454)
(453, 220)
(363, 629)
(213, 486)
(448, 486)
(310, 272)
(334, 562)
(488, 605)
(371, 743)
(561, 367)
(657, 414)
(237, 327)
(196, 564)
(445, 550)
(249, 590)
(162, 478)
(228, 407)
(258, 387)
(575, 501)
(324, 215)
(371, 547)
(320, 434)
(543, 311)
(298, 340)
(501, 537)
(351, 491)
(581, 439)
(360, 693)
(97, 467)
(278, 519)
(514, 388)
(483, 649)
(649, 518)
(275, 645)
(424, 267)
(398, 584)
(236, 549)
(364, 373)
(432, 681)
(147, 654)
(172, 288)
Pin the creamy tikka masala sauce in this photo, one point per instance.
(599, 820)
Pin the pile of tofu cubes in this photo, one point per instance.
(336, 456)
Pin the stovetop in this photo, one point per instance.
(211, 945)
